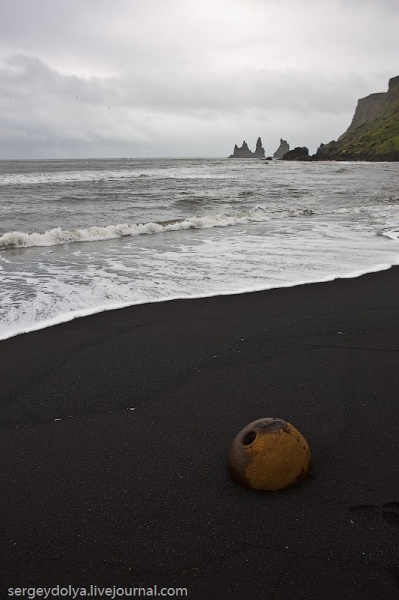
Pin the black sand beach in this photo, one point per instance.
(115, 430)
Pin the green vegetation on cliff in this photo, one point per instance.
(372, 135)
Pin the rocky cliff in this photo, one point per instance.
(374, 132)
(245, 152)
(283, 148)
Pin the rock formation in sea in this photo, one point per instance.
(245, 152)
(259, 150)
(283, 148)
(298, 153)
(374, 132)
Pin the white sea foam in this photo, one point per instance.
(63, 177)
(66, 285)
(58, 235)
(393, 235)
(236, 228)
(20, 239)
(65, 317)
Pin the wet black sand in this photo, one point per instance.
(115, 430)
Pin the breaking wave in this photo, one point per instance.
(58, 235)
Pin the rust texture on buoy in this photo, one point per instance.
(269, 454)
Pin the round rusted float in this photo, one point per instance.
(269, 454)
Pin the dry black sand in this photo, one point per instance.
(94, 492)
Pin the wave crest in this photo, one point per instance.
(57, 235)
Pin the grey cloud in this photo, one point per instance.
(28, 80)
(55, 111)
(186, 78)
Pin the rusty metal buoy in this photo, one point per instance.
(269, 454)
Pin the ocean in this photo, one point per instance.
(83, 236)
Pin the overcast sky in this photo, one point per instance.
(149, 78)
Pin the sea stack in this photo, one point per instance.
(245, 152)
(282, 149)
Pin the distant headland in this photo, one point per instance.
(373, 134)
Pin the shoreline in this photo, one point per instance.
(116, 429)
(78, 314)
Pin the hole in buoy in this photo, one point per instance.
(248, 438)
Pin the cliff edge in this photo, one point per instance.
(374, 132)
